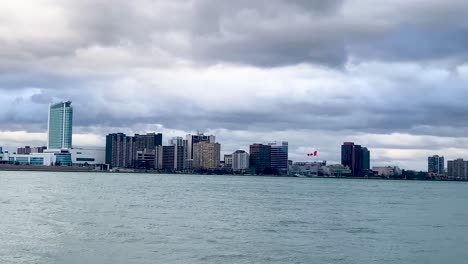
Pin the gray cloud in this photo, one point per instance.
(344, 67)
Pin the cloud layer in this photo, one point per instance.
(316, 73)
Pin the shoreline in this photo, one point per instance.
(20, 168)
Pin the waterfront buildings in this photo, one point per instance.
(228, 160)
(138, 151)
(240, 160)
(145, 147)
(356, 157)
(307, 168)
(365, 159)
(314, 169)
(24, 151)
(57, 158)
(206, 155)
(88, 155)
(147, 142)
(260, 157)
(337, 170)
(194, 139)
(170, 158)
(120, 150)
(80, 156)
(387, 171)
(279, 156)
(436, 165)
(457, 169)
(60, 126)
(347, 155)
(181, 142)
(145, 159)
(43, 159)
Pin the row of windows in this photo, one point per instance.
(26, 160)
(85, 159)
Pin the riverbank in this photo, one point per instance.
(9, 167)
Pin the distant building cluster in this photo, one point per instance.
(356, 158)
(195, 152)
(456, 169)
(59, 150)
(202, 153)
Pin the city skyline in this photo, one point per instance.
(141, 142)
(314, 73)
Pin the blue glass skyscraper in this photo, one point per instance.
(60, 126)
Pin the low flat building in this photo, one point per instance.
(88, 155)
(307, 168)
(41, 159)
(385, 171)
(337, 170)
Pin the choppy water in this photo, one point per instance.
(132, 218)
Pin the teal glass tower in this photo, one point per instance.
(60, 126)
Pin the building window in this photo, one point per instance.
(85, 159)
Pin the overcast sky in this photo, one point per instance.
(391, 75)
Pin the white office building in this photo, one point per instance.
(42, 159)
(240, 160)
(88, 155)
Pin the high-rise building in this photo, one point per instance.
(60, 126)
(347, 155)
(436, 164)
(356, 157)
(260, 157)
(193, 139)
(228, 160)
(365, 159)
(279, 156)
(240, 160)
(180, 142)
(148, 141)
(357, 160)
(457, 168)
(170, 158)
(206, 155)
(120, 150)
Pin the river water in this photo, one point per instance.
(141, 218)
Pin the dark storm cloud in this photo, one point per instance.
(95, 54)
(263, 33)
(410, 43)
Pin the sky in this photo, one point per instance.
(391, 76)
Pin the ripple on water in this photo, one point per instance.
(184, 219)
(292, 222)
(361, 230)
(221, 258)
